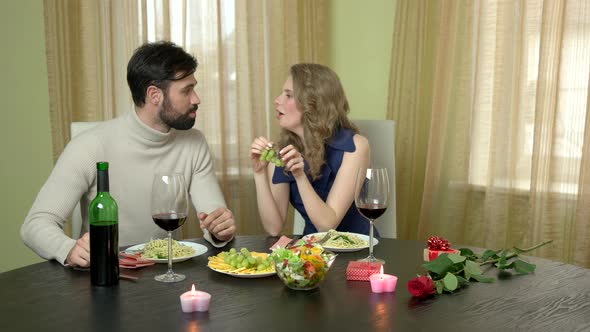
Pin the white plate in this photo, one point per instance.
(364, 237)
(199, 250)
(245, 276)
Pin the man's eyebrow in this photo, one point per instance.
(190, 85)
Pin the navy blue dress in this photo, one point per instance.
(353, 221)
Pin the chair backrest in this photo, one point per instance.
(75, 129)
(381, 136)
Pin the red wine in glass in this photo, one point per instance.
(169, 221)
(169, 210)
(371, 199)
(372, 211)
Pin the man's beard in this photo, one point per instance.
(170, 117)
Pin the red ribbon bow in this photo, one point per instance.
(437, 243)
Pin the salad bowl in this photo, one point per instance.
(302, 267)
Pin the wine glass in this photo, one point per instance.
(169, 211)
(371, 199)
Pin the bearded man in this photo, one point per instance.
(157, 136)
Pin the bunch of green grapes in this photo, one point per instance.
(244, 259)
(270, 155)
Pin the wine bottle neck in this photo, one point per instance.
(102, 182)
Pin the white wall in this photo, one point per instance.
(360, 52)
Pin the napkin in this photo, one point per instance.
(133, 261)
(361, 270)
(282, 242)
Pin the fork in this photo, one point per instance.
(326, 237)
(292, 242)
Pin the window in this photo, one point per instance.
(514, 122)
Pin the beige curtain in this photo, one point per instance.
(491, 104)
(244, 49)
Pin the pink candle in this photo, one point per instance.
(194, 300)
(382, 282)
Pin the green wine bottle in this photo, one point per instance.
(104, 232)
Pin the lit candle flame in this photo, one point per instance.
(381, 275)
(194, 292)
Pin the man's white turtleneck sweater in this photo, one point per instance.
(135, 152)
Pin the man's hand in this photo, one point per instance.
(80, 253)
(220, 223)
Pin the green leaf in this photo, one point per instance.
(461, 280)
(472, 268)
(441, 265)
(439, 286)
(450, 281)
(489, 254)
(467, 253)
(502, 260)
(467, 275)
(482, 278)
(505, 266)
(456, 258)
(523, 267)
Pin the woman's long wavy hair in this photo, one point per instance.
(321, 99)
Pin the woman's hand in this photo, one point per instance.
(293, 160)
(256, 149)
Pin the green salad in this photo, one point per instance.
(304, 266)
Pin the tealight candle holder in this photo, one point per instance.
(381, 283)
(195, 300)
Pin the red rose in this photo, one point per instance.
(421, 286)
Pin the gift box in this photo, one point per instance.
(435, 246)
(361, 270)
(430, 255)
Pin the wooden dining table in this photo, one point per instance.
(49, 297)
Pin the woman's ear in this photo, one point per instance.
(153, 95)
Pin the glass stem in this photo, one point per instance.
(371, 238)
(170, 253)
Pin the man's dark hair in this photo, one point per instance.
(157, 64)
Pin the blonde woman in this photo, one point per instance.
(321, 151)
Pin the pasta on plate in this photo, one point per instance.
(345, 240)
(342, 240)
(158, 249)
